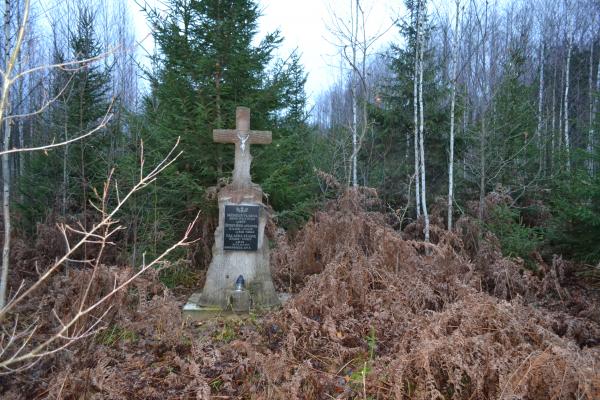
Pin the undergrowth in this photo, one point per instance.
(516, 239)
(375, 314)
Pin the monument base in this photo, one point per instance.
(241, 249)
(193, 310)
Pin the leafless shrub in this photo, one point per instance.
(78, 314)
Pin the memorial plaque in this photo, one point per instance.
(241, 228)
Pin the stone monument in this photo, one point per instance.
(238, 277)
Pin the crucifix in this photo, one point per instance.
(242, 137)
(238, 277)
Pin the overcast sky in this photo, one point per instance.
(303, 25)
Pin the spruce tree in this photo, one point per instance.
(396, 120)
(207, 63)
(61, 181)
(86, 102)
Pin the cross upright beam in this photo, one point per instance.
(242, 137)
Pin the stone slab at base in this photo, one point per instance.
(196, 312)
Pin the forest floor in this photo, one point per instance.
(375, 314)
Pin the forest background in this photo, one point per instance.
(478, 98)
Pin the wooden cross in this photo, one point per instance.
(242, 137)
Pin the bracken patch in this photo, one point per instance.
(375, 314)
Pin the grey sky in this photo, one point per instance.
(303, 24)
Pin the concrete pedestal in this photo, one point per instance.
(227, 265)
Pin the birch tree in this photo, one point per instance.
(355, 13)
(8, 63)
(355, 43)
(417, 23)
(484, 83)
(540, 117)
(421, 128)
(594, 90)
(569, 33)
(12, 74)
(453, 81)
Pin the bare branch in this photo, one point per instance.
(145, 179)
(105, 120)
(65, 65)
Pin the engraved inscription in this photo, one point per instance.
(241, 228)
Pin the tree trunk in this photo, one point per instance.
(590, 138)
(416, 114)
(561, 103)
(421, 135)
(82, 156)
(5, 213)
(482, 139)
(567, 138)
(4, 111)
(20, 102)
(354, 132)
(452, 112)
(354, 100)
(540, 108)
(65, 183)
(553, 130)
(422, 149)
(594, 112)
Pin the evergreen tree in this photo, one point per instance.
(69, 174)
(513, 115)
(86, 102)
(286, 170)
(207, 65)
(397, 117)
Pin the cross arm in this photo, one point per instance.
(224, 135)
(230, 136)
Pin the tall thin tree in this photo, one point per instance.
(453, 81)
(422, 132)
(417, 23)
(567, 137)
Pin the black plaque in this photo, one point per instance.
(241, 228)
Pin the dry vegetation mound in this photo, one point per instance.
(396, 318)
(375, 314)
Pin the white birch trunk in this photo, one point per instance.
(591, 133)
(4, 110)
(452, 112)
(354, 134)
(553, 130)
(561, 103)
(421, 143)
(20, 102)
(594, 113)
(65, 183)
(540, 108)
(354, 101)
(416, 114)
(482, 137)
(567, 139)
(482, 140)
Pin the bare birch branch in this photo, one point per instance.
(102, 124)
